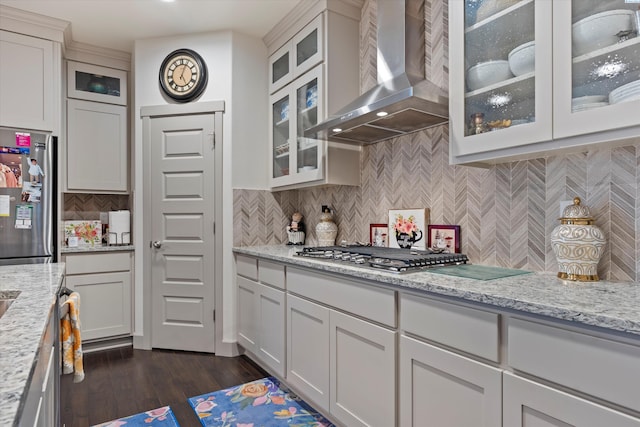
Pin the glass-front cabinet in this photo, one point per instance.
(533, 76)
(597, 70)
(300, 54)
(293, 109)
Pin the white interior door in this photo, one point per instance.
(182, 232)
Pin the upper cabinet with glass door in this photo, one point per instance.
(596, 66)
(501, 92)
(297, 56)
(322, 77)
(540, 76)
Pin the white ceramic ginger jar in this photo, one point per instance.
(578, 244)
(326, 230)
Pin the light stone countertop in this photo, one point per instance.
(100, 248)
(22, 328)
(614, 306)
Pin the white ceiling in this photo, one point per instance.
(116, 24)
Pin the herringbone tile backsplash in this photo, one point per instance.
(506, 212)
(82, 206)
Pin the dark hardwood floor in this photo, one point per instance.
(124, 382)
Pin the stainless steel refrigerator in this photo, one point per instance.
(27, 197)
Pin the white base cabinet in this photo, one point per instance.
(362, 364)
(343, 365)
(261, 311)
(439, 388)
(104, 284)
(247, 316)
(529, 404)
(308, 350)
(368, 355)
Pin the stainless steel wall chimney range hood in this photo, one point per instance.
(403, 101)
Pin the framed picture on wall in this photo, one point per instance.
(407, 228)
(379, 235)
(444, 238)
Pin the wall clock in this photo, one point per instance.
(183, 75)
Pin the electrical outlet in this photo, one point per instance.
(564, 204)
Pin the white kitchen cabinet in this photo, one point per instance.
(362, 363)
(335, 358)
(104, 282)
(95, 83)
(440, 388)
(527, 403)
(603, 368)
(313, 74)
(97, 147)
(308, 350)
(298, 55)
(30, 72)
(532, 114)
(261, 311)
(47, 412)
(247, 313)
(40, 403)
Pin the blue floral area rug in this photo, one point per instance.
(161, 417)
(260, 403)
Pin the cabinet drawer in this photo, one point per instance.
(271, 273)
(247, 266)
(98, 263)
(467, 329)
(596, 366)
(361, 299)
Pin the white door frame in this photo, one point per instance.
(146, 114)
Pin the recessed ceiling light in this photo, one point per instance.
(336, 130)
(381, 114)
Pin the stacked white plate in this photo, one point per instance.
(588, 102)
(628, 92)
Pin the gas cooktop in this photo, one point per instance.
(390, 259)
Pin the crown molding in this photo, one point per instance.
(33, 24)
(83, 52)
(304, 12)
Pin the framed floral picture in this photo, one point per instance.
(407, 228)
(379, 235)
(444, 238)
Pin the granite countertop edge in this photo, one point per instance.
(610, 305)
(101, 248)
(22, 328)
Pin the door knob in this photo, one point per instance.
(156, 244)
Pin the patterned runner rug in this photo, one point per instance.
(260, 403)
(161, 417)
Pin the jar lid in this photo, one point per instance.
(576, 214)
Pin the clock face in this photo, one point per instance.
(183, 75)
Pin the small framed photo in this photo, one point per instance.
(379, 235)
(444, 238)
(407, 228)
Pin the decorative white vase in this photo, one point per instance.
(326, 230)
(577, 244)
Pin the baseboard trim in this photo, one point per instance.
(107, 344)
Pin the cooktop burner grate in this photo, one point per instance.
(390, 259)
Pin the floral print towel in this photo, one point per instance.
(161, 417)
(261, 403)
(71, 340)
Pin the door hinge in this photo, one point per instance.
(214, 227)
(214, 316)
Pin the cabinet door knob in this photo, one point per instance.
(156, 244)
